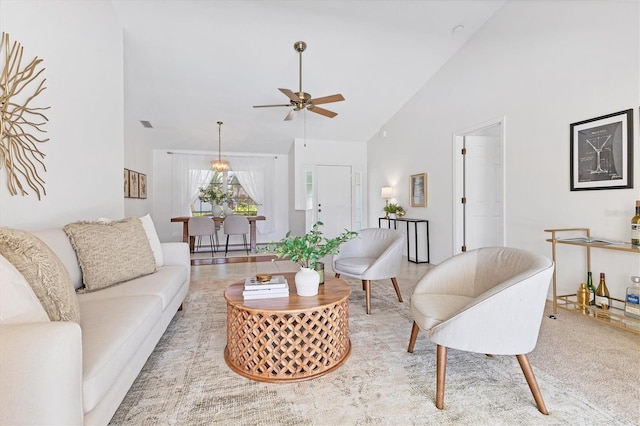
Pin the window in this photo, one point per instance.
(242, 202)
(224, 188)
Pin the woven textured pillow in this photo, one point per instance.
(44, 272)
(112, 252)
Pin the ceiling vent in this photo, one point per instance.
(146, 124)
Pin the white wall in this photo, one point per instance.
(543, 65)
(138, 156)
(81, 44)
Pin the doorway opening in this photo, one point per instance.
(479, 186)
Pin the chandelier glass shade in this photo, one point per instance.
(220, 165)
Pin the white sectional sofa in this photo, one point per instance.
(69, 373)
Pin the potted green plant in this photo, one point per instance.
(216, 196)
(306, 250)
(392, 210)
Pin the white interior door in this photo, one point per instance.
(334, 199)
(483, 192)
(479, 188)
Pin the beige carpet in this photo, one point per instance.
(186, 381)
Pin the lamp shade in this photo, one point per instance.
(386, 192)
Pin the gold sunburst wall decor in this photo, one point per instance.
(21, 123)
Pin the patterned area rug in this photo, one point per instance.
(186, 380)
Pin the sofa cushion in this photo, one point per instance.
(111, 252)
(18, 302)
(154, 241)
(44, 272)
(165, 283)
(112, 332)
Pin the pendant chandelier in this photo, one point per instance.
(220, 165)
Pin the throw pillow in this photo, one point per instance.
(154, 241)
(110, 253)
(44, 272)
(18, 302)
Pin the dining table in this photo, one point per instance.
(191, 241)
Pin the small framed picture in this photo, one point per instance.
(133, 184)
(142, 185)
(126, 183)
(418, 190)
(602, 152)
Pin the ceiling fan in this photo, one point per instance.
(302, 100)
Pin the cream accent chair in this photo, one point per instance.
(376, 254)
(200, 226)
(489, 301)
(236, 224)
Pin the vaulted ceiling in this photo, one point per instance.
(189, 64)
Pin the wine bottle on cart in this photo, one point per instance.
(603, 300)
(635, 226)
(592, 289)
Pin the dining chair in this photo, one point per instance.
(489, 301)
(236, 225)
(200, 226)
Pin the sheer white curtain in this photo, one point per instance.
(257, 175)
(189, 173)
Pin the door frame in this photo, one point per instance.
(458, 179)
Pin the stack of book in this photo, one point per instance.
(276, 287)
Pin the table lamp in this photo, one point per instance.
(386, 193)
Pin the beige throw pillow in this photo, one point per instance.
(111, 252)
(44, 272)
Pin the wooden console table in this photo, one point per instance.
(288, 339)
(185, 229)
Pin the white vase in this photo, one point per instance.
(216, 211)
(392, 215)
(307, 282)
(226, 209)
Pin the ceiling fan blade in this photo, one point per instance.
(268, 106)
(290, 95)
(291, 115)
(322, 111)
(327, 99)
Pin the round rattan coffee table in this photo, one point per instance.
(288, 339)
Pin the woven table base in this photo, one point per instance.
(287, 345)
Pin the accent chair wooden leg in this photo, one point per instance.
(367, 292)
(533, 384)
(180, 307)
(337, 275)
(395, 286)
(414, 335)
(441, 372)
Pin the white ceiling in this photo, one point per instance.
(189, 64)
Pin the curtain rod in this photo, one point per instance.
(224, 155)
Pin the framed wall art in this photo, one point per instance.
(133, 184)
(126, 183)
(602, 152)
(418, 190)
(142, 185)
